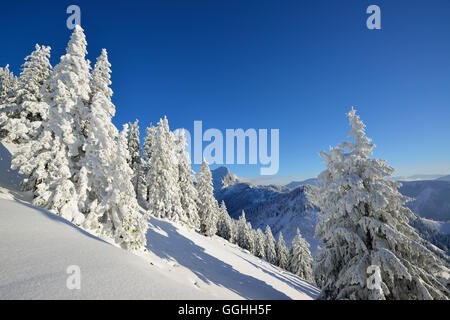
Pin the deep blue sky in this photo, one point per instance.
(294, 65)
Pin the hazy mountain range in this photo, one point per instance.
(286, 208)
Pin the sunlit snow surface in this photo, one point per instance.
(37, 247)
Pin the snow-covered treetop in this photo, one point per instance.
(101, 75)
(35, 71)
(7, 82)
(362, 145)
(205, 176)
(73, 69)
(77, 43)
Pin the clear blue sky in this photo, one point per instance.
(294, 65)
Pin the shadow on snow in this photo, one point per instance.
(288, 278)
(208, 268)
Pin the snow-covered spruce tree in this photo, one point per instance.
(100, 145)
(282, 252)
(224, 227)
(300, 258)
(250, 238)
(234, 228)
(365, 229)
(208, 208)
(136, 162)
(162, 176)
(260, 241)
(8, 84)
(186, 179)
(24, 111)
(50, 161)
(119, 211)
(245, 237)
(133, 143)
(241, 226)
(270, 247)
(149, 141)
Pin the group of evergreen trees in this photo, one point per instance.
(297, 260)
(74, 159)
(172, 191)
(78, 165)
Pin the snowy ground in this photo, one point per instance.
(36, 247)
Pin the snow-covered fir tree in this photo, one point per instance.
(365, 230)
(300, 258)
(149, 141)
(51, 161)
(250, 238)
(282, 252)
(270, 247)
(241, 226)
(134, 145)
(208, 208)
(224, 223)
(244, 237)
(136, 162)
(186, 179)
(162, 176)
(118, 212)
(260, 241)
(100, 146)
(24, 109)
(234, 228)
(8, 84)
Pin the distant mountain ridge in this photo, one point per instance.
(218, 175)
(295, 184)
(243, 195)
(280, 207)
(444, 178)
(284, 208)
(431, 198)
(287, 212)
(418, 177)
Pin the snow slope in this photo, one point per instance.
(36, 248)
